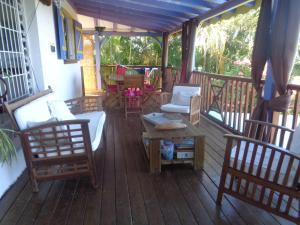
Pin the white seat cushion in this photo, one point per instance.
(36, 111)
(295, 144)
(97, 120)
(175, 108)
(257, 160)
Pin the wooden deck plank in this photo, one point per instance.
(77, 209)
(10, 197)
(108, 208)
(13, 214)
(94, 197)
(186, 197)
(50, 203)
(167, 208)
(175, 196)
(198, 194)
(62, 209)
(150, 199)
(123, 208)
(33, 208)
(138, 210)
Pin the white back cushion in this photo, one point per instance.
(181, 99)
(295, 144)
(182, 94)
(36, 111)
(60, 110)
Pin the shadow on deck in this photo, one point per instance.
(128, 194)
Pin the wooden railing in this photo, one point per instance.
(107, 70)
(230, 100)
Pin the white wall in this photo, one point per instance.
(65, 79)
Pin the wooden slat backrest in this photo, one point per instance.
(11, 107)
(268, 132)
(134, 81)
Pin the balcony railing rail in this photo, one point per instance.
(230, 100)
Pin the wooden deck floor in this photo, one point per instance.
(128, 194)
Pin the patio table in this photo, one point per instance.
(154, 137)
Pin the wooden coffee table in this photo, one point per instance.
(154, 136)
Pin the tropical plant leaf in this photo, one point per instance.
(7, 148)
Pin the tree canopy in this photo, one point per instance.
(224, 47)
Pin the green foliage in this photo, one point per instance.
(131, 51)
(219, 46)
(296, 70)
(7, 148)
(174, 59)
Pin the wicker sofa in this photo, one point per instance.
(55, 148)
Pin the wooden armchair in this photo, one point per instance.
(259, 169)
(133, 94)
(191, 109)
(57, 149)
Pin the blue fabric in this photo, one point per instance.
(269, 87)
(60, 34)
(78, 40)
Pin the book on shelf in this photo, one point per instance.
(187, 143)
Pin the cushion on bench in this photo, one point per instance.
(38, 112)
(96, 124)
(35, 111)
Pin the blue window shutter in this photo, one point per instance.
(78, 40)
(60, 34)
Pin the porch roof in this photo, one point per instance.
(157, 15)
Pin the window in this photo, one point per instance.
(14, 59)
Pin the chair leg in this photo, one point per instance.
(93, 177)
(35, 186)
(94, 181)
(221, 187)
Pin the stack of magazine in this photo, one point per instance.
(185, 149)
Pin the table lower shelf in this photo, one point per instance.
(177, 161)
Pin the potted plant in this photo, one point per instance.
(7, 148)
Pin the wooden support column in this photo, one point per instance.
(98, 61)
(188, 49)
(99, 41)
(164, 59)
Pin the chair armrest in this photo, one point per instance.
(57, 138)
(262, 166)
(85, 104)
(195, 104)
(165, 97)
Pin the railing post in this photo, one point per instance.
(164, 59)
